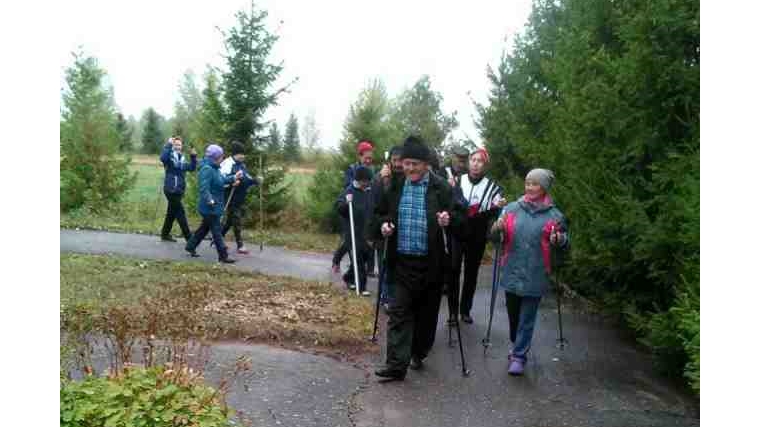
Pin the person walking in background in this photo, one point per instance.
(211, 201)
(361, 198)
(236, 209)
(175, 166)
(364, 155)
(483, 199)
(528, 228)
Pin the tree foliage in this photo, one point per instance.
(154, 134)
(249, 78)
(248, 90)
(606, 94)
(124, 133)
(275, 140)
(92, 172)
(292, 143)
(418, 111)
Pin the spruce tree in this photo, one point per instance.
(153, 134)
(292, 144)
(91, 171)
(248, 92)
(124, 132)
(275, 140)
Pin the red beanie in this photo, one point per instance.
(364, 146)
(484, 152)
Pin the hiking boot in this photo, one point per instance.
(389, 374)
(466, 318)
(243, 250)
(168, 239)
(516, 367)
(227, 260)
(416, 363)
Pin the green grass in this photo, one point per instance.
(246, 305)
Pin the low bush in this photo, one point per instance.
(167, 395)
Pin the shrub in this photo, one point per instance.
(322, 194)
(143, 397)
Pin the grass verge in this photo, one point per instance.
(227, 303)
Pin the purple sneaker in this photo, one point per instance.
(516, 367)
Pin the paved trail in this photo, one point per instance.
(599, 379)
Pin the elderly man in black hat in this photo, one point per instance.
(413, 214)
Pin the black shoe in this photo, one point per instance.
(466, 318)
(451, 322)
(416, 363)
(227, 260)
(168, 239)
(192, 253)
(390, 374)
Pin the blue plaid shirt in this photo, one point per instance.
(412, 221)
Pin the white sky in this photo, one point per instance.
(334, 47)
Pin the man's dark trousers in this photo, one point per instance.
(175, 210)
(234, 220)
(413, 314)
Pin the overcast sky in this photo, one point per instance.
(334, 47)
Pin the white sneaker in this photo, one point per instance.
(366, 293)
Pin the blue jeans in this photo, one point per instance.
(522, 312)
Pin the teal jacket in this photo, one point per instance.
(211, 184)
(526, 254)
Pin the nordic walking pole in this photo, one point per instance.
(465, 371)
(487, 340)
(561, 341)
(261, 204)
(380, 279)
(353, 241)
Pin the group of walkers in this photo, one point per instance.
(432, 219)
(222, 188)
(422, 220)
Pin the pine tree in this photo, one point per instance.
(418, 111)
(292, 144)
(211, 121)
(153, 134)
(124, 132)
(91, 172)
(248, 92)
(249, 77)
(275, 140)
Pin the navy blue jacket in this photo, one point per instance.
(362, 206)
(238, 198)
(174, 179)
(211, 184)
(348, 176)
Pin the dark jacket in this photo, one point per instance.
(362, 207)
(247, 181)
(174, 178)
(348, 176)
(211, 188)
(438, 198)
